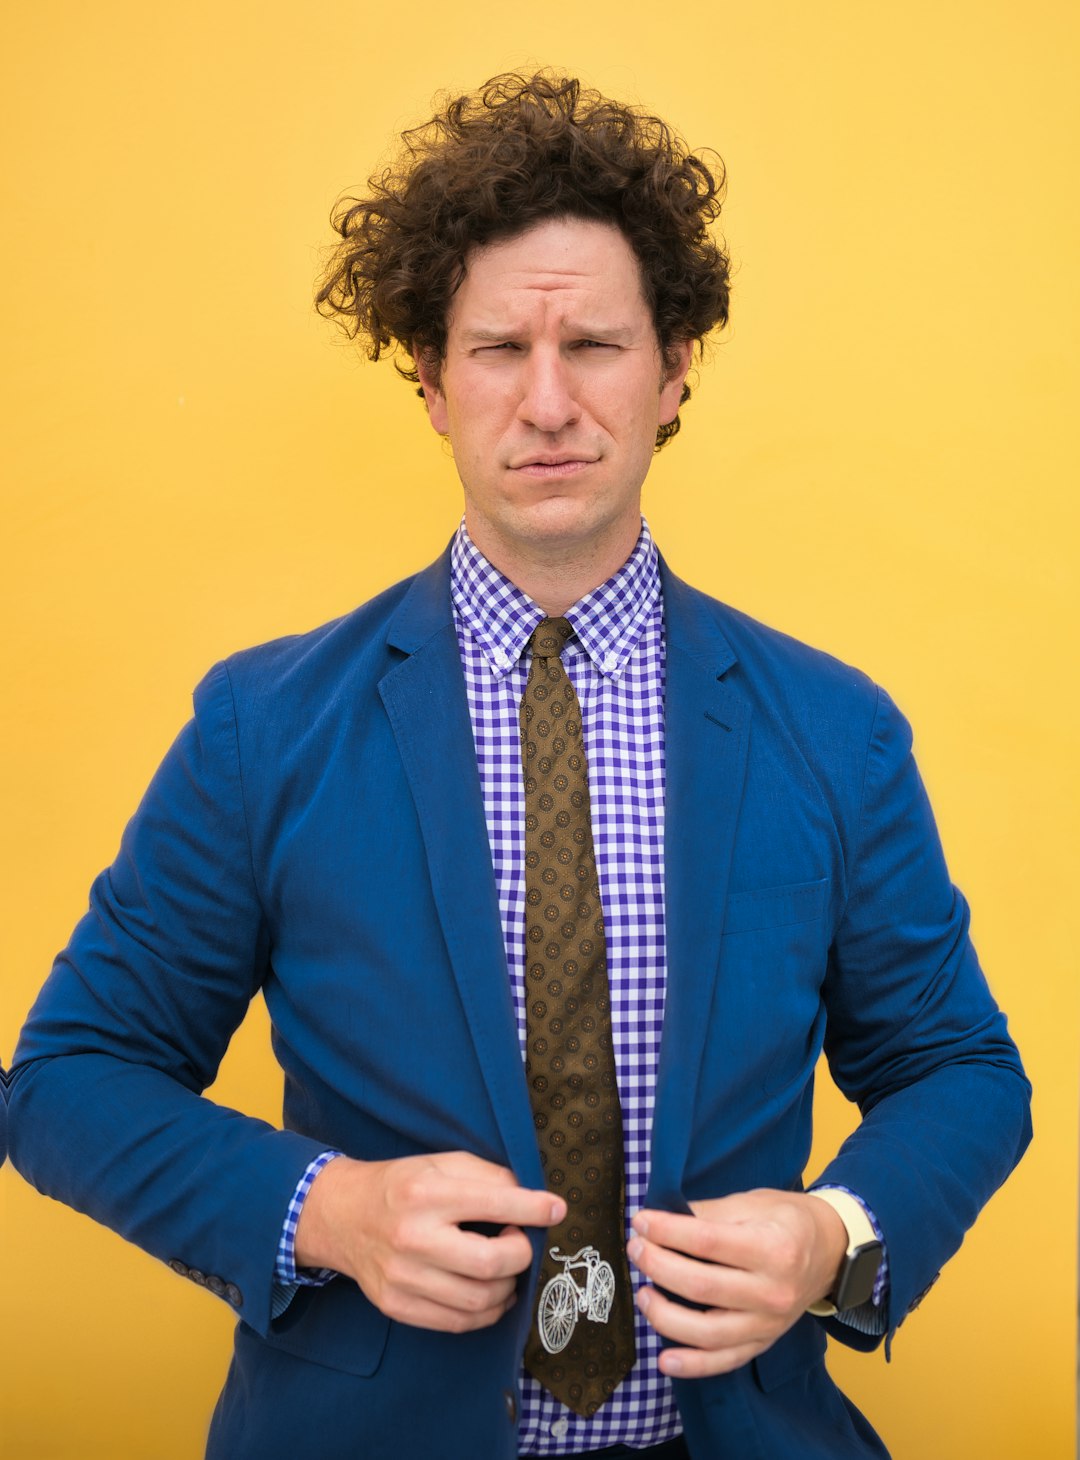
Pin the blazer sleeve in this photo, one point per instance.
(105, 1100)
(914, 1036)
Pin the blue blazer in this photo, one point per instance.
(317, 832)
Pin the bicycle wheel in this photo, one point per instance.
(557, 1313)
(601, 1292)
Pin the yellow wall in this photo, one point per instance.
(876, 460)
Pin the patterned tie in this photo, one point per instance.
(581, 1344)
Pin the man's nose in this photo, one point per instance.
(548, 394)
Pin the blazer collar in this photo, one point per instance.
(690, 618)
(692, 625)
(425, 609)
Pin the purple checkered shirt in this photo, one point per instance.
(616, 664)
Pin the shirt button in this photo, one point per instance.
(559, 1428)
(510, 1400)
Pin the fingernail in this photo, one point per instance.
(641, 1224)
(644, 1298)
(634, 1248)
(558, 1211)
(672, 1365)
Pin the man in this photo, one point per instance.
(557, 876)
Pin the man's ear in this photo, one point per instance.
(676, 364)
(430, 376)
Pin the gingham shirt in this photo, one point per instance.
(616, 664)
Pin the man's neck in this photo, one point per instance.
(564, 573)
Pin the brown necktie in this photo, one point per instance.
(581, 1344)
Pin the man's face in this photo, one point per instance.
(551, 393)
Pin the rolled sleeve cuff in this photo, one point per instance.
(287, 1276)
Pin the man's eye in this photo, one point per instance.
(595, 345)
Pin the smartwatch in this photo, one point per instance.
(858, 1272)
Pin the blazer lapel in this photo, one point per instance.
(424, 696)
(706, 742)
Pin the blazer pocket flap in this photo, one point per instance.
(795, 1351)
(775, 907)
(335, 1326)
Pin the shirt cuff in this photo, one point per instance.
(287, 1276)
(868, 1317)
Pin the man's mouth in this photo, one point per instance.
(553, 465)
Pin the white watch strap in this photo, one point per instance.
(859, 1231)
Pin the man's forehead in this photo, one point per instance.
(558, 250)
(582, 267)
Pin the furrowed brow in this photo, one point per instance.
(606, 334)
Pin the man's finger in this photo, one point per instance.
(737, 1244)
(711, 1328)
(711, 1284)
(696, 1363)
(716, 1341)
(470, 1200)
(422, 1312)
(454, 1290)
(482, 1259)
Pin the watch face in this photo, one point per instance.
(857, 1278)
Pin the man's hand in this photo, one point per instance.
(393, 1226)
(755, 1261)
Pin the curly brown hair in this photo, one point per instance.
(490, 165)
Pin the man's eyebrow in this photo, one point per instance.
(485, 334)
(616, 334)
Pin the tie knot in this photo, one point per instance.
(548, 638)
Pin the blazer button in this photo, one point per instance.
(197, 1277)
(180, 1268)
(510, 1400)
(234, 1295)
(917, 1300)
(216, 1285)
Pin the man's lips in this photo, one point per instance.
(546, 467)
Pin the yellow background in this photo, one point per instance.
(876, 459)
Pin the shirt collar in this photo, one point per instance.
(608, 622)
